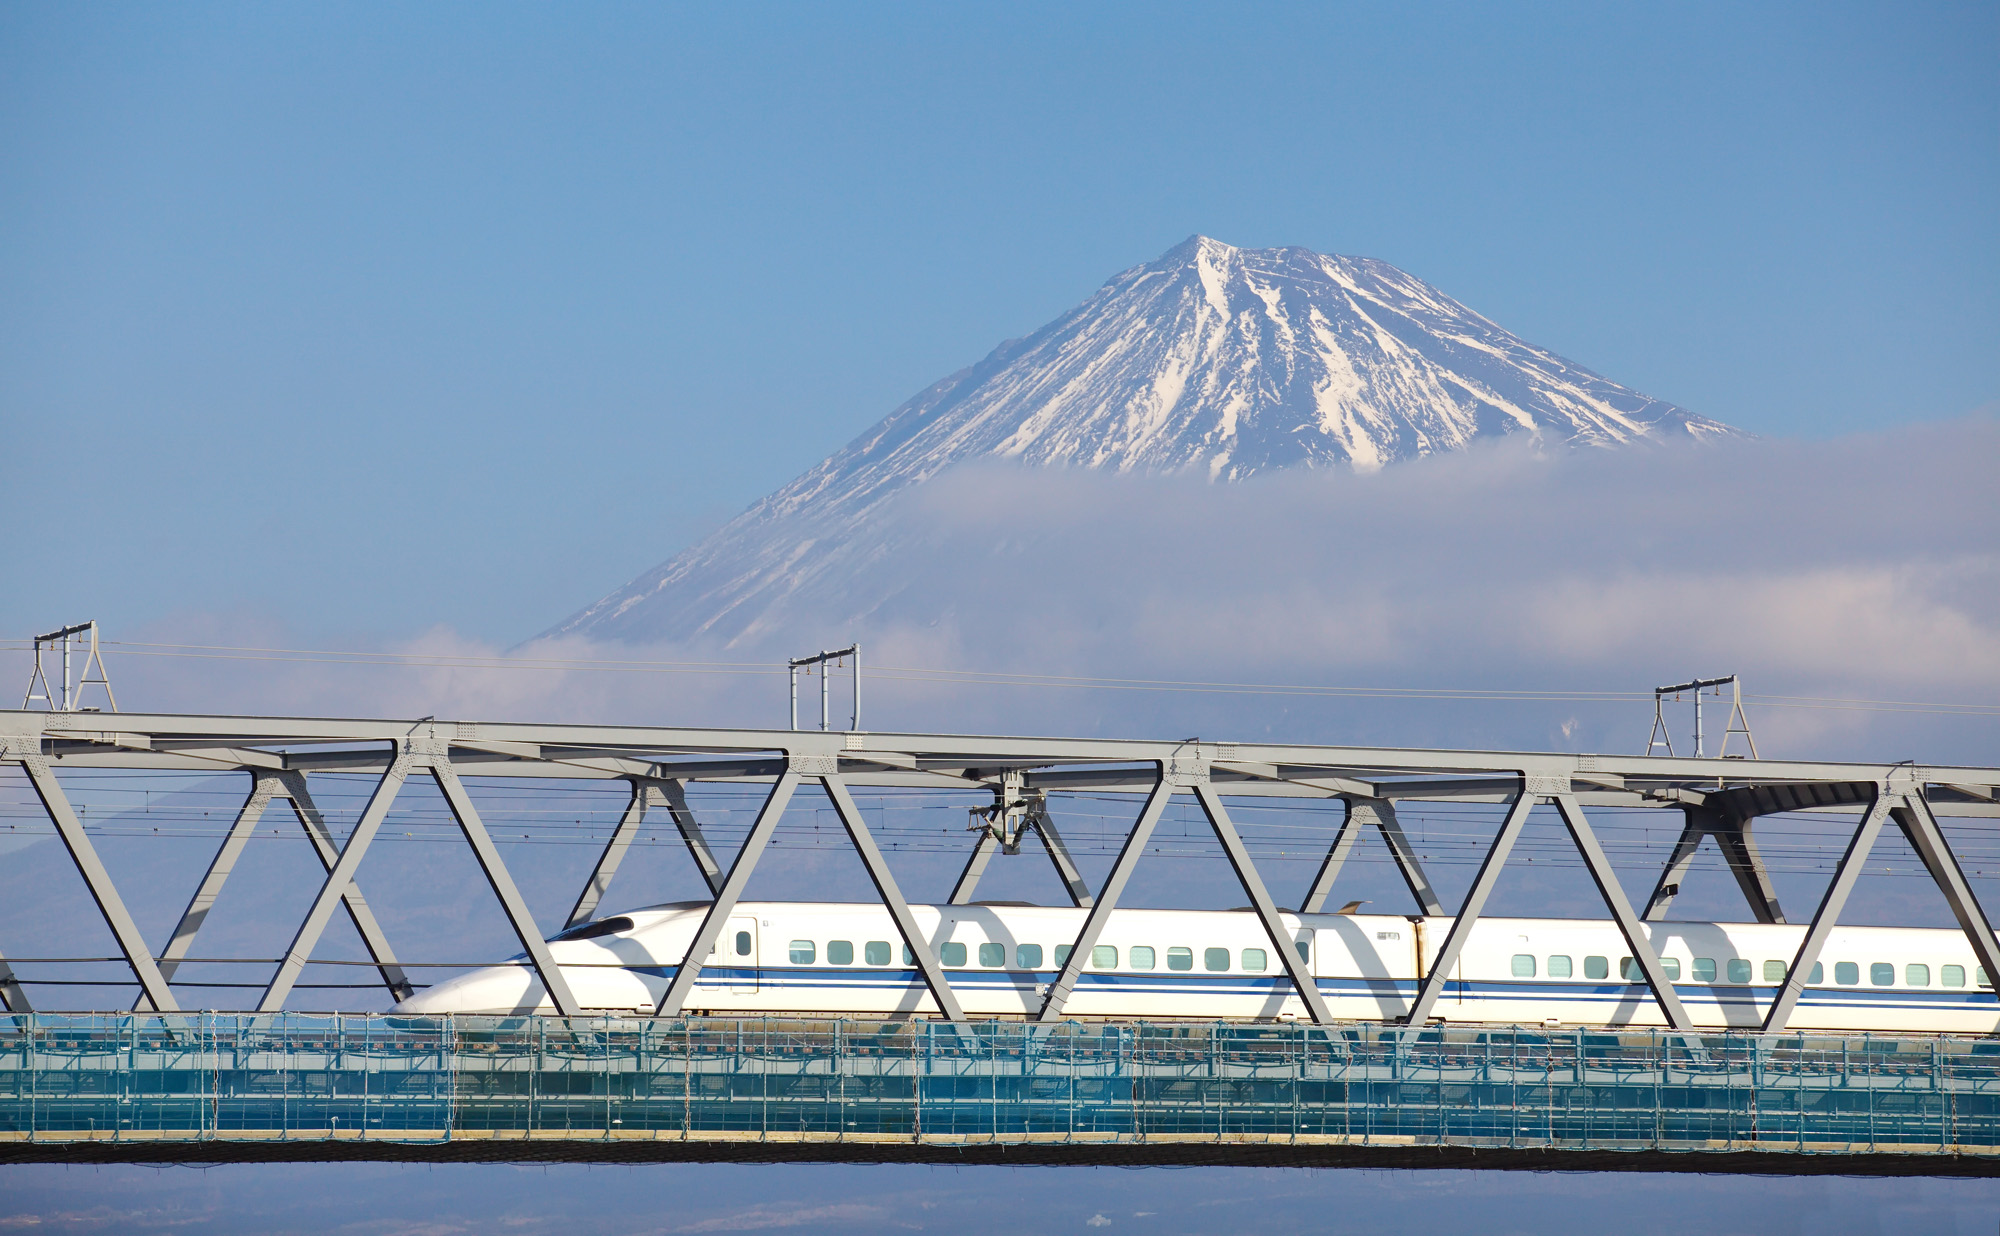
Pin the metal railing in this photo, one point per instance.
(294, 1076)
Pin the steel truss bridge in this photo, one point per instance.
(158, 1082)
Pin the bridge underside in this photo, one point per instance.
(213, 1088)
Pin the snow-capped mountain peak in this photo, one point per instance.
(1225, 361)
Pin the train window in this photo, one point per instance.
(1524, 965)
(1305, 948)
(1216, 959)
(742, 944)
(1062, 954)
(1917, 975)
(876, 952)
(1560, 967)
(992, 954)
(1104, 957)
(840, 952)
(1951, 976)
(952, 954)
(1882, 973)
(1027, 956)
(1979, 977)
(1739, 970)
(1669, 966)
(909, 958)
(1846, 973)
(1180, 959)
(1704, 969)
(1141, 956)
(1818, 974)
(1597, 967)
(803, 952)
(1255, 959)
(1774, 971)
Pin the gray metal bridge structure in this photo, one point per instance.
(157, 1082)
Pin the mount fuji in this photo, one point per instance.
(1213, 360)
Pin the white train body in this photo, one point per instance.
(785, 958)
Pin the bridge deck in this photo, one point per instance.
(292, 1085)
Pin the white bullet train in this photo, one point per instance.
(792, 958)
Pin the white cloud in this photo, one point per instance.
(1863, 567)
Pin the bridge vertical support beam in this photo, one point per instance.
(1920, 825)
(613, 854)
(152, 984)
(1107, 899)
(333, 891)
(719, 910)
(1468, 914)
(892, 897)
(1297, 968)
(1621, 909)
(502, 883)
(263, 785)
(1828, 913)
(292, 787)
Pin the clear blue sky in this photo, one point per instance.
(365, 318)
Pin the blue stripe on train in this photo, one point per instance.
(1481, 990)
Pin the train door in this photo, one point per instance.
(739, 950)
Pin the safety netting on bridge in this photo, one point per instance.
(221, 1078)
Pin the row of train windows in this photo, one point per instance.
(1029, 956)
(1737, 970)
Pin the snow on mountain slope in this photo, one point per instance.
(1223, 361)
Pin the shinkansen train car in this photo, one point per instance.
(778, 958)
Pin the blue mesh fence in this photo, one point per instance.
(418, 1079)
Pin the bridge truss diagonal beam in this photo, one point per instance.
(645, 791)
(1075, 887)
(674, 999)
(1629, 924)
(502, 882)
(12, 998)
(1920, 825)
(333, 890)
(308, 815)
(1830, 905)
(1297, 968)
(892, 897)
(609, 859)
(1380, 814)
(97, 879)
(1446, 961)
(1739, 851)
(1107, 899)
(265, 787)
